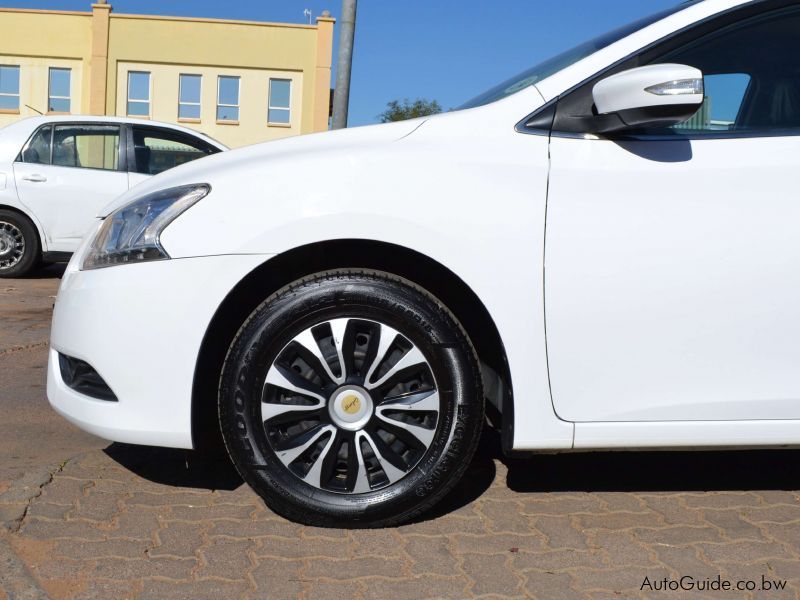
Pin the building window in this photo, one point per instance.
(280, 91)
(227, 98)
(189, 97)
(58, 90)
(9, 88)
(138, 94)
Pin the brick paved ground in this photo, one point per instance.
(145, 523)
(151, 523)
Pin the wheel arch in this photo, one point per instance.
(299, 262)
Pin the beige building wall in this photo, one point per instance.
(36, 41)
(101, 47)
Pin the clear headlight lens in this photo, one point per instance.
(132, 233)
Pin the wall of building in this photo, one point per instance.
(101, 47)
(36, 41)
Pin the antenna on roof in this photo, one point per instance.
(33, 109)
(307, 13)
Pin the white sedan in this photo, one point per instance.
(58, 172)
(600, 253)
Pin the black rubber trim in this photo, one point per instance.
(56, 257)
(84, 379)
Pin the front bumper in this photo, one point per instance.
(141, 327)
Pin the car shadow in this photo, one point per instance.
(635, 471)
(177, 468)
(662, 471)
(51, 271)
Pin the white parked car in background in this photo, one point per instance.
(343, 307)
(58, 172)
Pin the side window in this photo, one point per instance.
(37, 150)
(752, 75)
(158, 150)
(87, 146)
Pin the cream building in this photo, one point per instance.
(240, 82)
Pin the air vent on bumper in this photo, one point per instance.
(81, 377)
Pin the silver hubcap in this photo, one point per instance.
(12, 245)
(350, 405)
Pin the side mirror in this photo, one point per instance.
(654, 95)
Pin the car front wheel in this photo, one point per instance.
(351, 399)
(19, 245)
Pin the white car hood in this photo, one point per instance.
(201, 170)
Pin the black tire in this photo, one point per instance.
(15, 229)
(363, 297)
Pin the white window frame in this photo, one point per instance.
(7, 95)
(149, 100)
(198, 104)
(271, 107)
(50, 93)
(237, 106)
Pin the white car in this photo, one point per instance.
(581, 254)
(58, 172)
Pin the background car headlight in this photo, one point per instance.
(132, 233)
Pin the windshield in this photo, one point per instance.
(565, 59)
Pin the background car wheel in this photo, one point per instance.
(19, 245)
(351, 399)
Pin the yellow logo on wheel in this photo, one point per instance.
(351, 404)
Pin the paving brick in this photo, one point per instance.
(553, 504)
(622, 502)
(625, 579)
(744, 552)
(622, 549)
(678, 535)
(673, 510)
(416, 587)
(559, 560)
(50, 529)
(117, 568)
(96, 506)
(179, 540)
(732, 524)
(560, 532)
(254, 528)
(210, 513)
(549, 586)
(445, 525)
(102, 549)
(328, 590)
(502, 516)
(283, 548)
(491, 574)
(172, 498)
(620, 520)
(208, 589)
(721, 500)
(226, 558)
(497, 544)
(137, 522)
(372, 542)
(352, 569)
(277, 578)
(47, 510)
(430, 555)
(778, 513)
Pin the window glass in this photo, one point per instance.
(279, 101)
(158, 151)
(88, 146)
(9, 88)
(138, 94)
(59, 94)
(38, 149)
(189, 97)
(752, 74)
(228, 98)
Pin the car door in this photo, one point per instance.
(65, 174)
(673, 256)
(153, 150)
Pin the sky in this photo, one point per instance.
(435, 49)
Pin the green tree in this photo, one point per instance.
(400, 111)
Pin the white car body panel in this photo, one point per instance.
(471, 193)
(63, 202)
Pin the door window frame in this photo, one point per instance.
(121, 157)
(553, 118)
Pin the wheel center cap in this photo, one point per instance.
(350, 407)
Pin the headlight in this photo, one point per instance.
(132, 233)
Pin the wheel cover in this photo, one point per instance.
(350, 405)
(12, 245)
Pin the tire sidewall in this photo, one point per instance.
(393, 303)
(31, 255)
